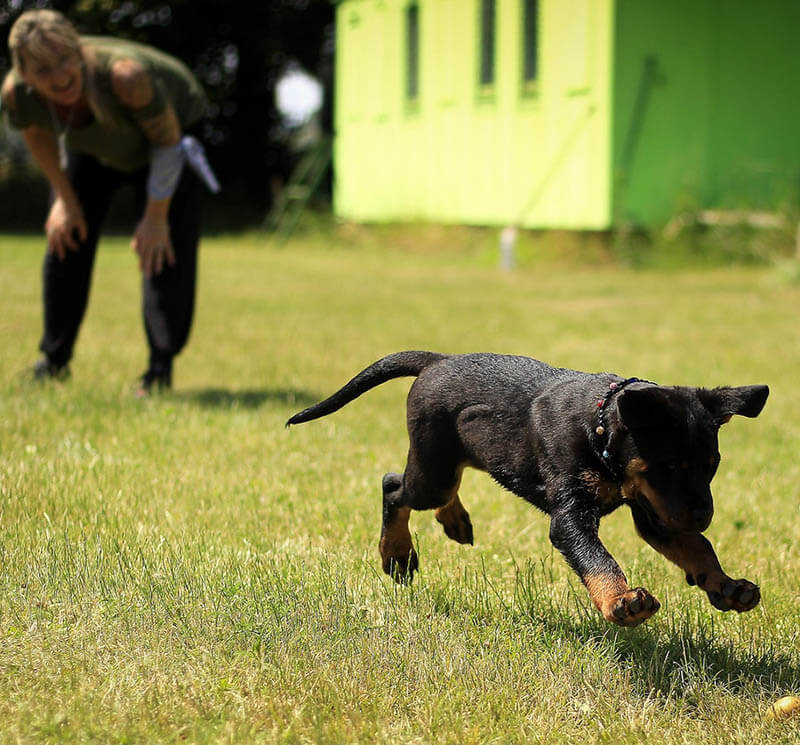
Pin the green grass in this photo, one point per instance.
(185, 569)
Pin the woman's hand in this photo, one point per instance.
(152, 244)
(65, 228)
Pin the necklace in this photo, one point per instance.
(61, 133)
(600, 430)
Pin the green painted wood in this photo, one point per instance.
(719, 126)
(642, 109)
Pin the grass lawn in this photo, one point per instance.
(185, 569)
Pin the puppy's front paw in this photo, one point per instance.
(735, 594)
(631, 608)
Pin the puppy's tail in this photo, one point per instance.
(399, 365)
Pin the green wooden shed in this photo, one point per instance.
(576, 114)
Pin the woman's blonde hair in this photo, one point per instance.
(36, 32)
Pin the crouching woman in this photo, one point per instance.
(96, 114)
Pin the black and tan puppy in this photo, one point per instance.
(576, 445)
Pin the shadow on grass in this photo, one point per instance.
(221, 398)
(679, 661)
(680, 657)
(677, 656)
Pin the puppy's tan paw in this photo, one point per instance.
(630, 608)
(456, 522)
(401, 567)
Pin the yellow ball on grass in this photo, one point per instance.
(784, 708)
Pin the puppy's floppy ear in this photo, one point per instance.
(648, 408)
(723, 403)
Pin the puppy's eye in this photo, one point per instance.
(682, 466)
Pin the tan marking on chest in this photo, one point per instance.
(607, 494)
(633, 483)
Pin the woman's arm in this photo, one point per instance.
(135, 89)
(65, 224)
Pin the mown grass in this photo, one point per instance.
(185, 569)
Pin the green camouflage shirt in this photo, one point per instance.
(113, 136)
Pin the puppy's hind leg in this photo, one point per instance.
(398, 557)
(454, 518)
(422, 487)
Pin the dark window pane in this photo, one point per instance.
(412, 51)
(486, 75)
(530, 40)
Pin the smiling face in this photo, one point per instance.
(57, 76)
(46, 51)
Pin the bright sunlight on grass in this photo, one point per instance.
(184, 568)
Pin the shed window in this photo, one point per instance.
(487, 43)
(412, 52)
(530, 42)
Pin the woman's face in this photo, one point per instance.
(58, 78)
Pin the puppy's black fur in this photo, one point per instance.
(576, 445)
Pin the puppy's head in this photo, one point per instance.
(674, 451)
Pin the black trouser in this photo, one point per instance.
(167, 297)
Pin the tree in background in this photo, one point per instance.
(238, 49)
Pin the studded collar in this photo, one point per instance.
(600, 430)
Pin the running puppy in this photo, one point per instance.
(576, 445)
